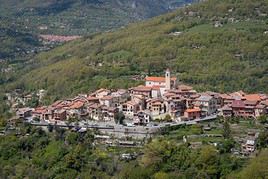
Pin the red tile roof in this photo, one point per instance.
(158, 79)
(193, 110)
(40, 110)
(77, 105)
(253, 97)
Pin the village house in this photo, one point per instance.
(95, 111)
(108, 101)
(207, 104)
(238, 95)
(184, 90)
(238, 107)
(249, 145)
(191, 114)
(76, 110)
(23, 113)
(142, 117)
(218, 98)
(142, 90)
(260, 110)
(156, 106)
(38, 113)
(130, 108)
(227, 100)
(48, 115)
(121, 97)
(243, 109)
(59, 115)
(101, 93)
(175, 104)
(109, 113)
(226, 111)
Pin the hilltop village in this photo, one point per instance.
(159, 99)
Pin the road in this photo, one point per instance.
(120, 130)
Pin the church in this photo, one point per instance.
(165, 83)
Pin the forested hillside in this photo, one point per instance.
(15, 42)
(22, 21)
(217, 45)
(59, 153)
(80, 17)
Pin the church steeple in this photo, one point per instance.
(167, 79)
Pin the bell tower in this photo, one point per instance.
(167, 79)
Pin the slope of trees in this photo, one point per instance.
(81, 16)
(230, 57)
(66, 154)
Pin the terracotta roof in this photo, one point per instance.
(40, 110)
(247, 102)
(56, 103)
(158, 79)
(253, 97)
(77, 105)
(193, 110)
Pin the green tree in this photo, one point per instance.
(208, 162)
(257, 168)
(263, 139)
(263, 119)
(119, 117)
(226, 130)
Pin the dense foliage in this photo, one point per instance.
(81, 16)
(60, 154)
(65, 154)
(226, 58)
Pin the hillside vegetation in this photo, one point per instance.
(59, 153)
(81, 17)
(16, 42)
(230, 57)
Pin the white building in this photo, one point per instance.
(166, 82)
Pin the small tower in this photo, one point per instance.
(167, 77)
